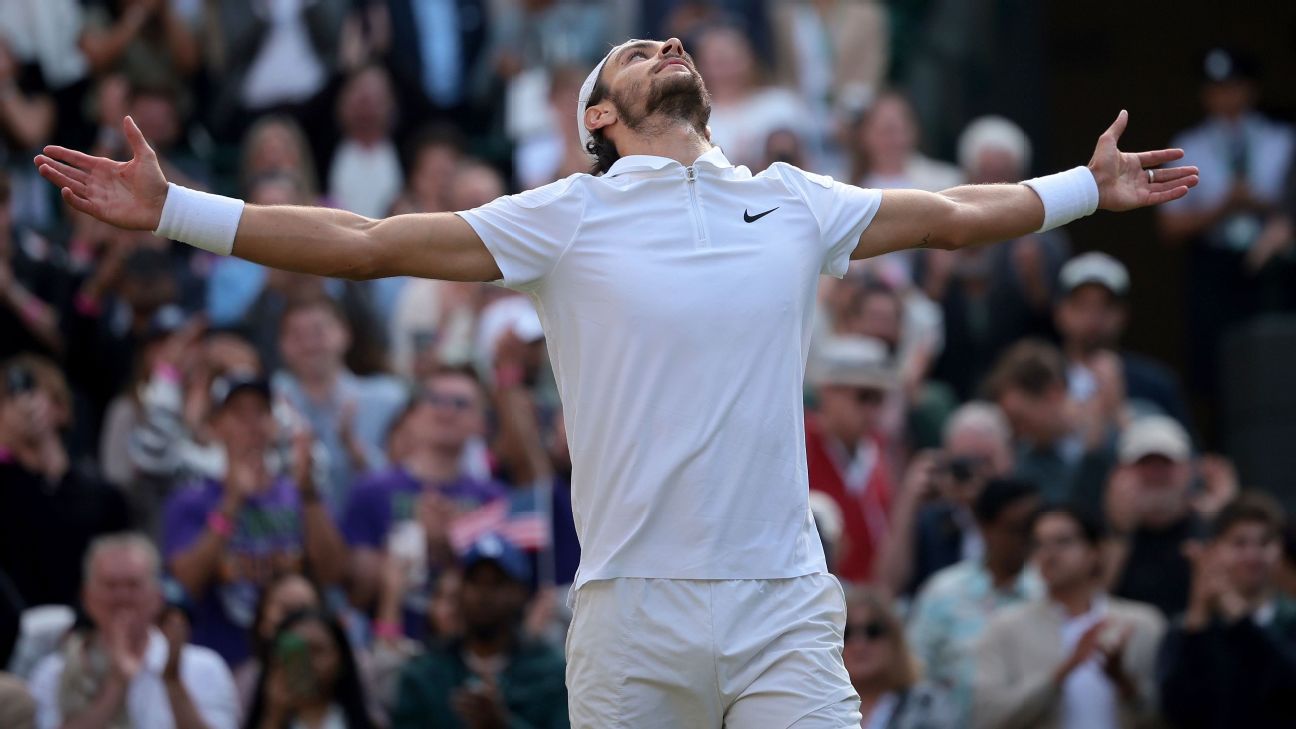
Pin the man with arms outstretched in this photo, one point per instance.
(676, 293)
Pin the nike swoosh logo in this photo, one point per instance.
(749, 218)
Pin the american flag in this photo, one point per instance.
(520, 517)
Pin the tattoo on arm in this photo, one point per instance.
(925, 242)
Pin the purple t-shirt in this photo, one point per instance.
(389, 496)
(267, 541)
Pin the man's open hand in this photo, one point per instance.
(125, 194)
(1122, 177)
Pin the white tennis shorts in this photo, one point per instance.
(706, 654)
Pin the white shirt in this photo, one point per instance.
(203, 673)
(678, 334)
(286, 68)
(1088, 697)
(365, 179)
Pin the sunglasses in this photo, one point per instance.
(459, 403)
(871, 630)
(868, 396)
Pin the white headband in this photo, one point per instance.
(587, 88)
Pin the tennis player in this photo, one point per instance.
(676, 292)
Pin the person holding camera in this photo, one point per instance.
(932, 526)
(47, 506)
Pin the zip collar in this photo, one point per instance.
(646, 162)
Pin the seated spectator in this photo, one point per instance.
(993, 295)
(952, 610)
(1063, 448)
(365, 174)
(932, 526)
(47, 507)
(743, 110)
(314, 336)
(311, 678)
(276, 144)
(168, 413)
(227, 538)
(846, 457)
(149, 40)
(884, 672)
(1152, 514)
(35, 283)
(886, 151)
(431, 158)
(834, 53)
(909, 325)
(1076, 657)
(123, 672)
(494, 676)
(555, 151)
(425, 486)
(158, 109)
(1231, 661)
(1090, 316)
(288, 594)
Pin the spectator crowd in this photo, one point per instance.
(232, 496)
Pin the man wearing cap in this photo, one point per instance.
(845, 455)
(1090, 315)
(1244, 158)
(225, 539)
(677, 295)
(495, 675)
(1152, 514)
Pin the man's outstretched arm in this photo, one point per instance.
(320, 241)
(970, 215)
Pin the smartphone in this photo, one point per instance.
(294, 656)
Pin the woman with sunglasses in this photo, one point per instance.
(884, 672)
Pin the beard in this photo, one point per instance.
(667, 100)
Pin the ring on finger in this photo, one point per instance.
(1151, 176)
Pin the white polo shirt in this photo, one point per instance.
(203, 673)
(678, 305)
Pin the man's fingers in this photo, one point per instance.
(1172, 184)
(134, 137)
(1157, 198)
(72, 157)
(77, 202)
(1173, 173)
(69, 171)
(58, 178)
(1159, 157)
(1118, 127)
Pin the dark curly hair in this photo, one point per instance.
(599, 146)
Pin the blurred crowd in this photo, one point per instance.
(238, 497)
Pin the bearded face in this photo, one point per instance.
(665, 97)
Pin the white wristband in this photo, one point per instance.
(201, 219)
(1067, 196)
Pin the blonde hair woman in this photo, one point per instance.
(883, 671)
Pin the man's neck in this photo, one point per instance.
(1075, 599)
(320, 385)
(433, 465)
(674, 139)
(487, 647)
(1001, 577)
